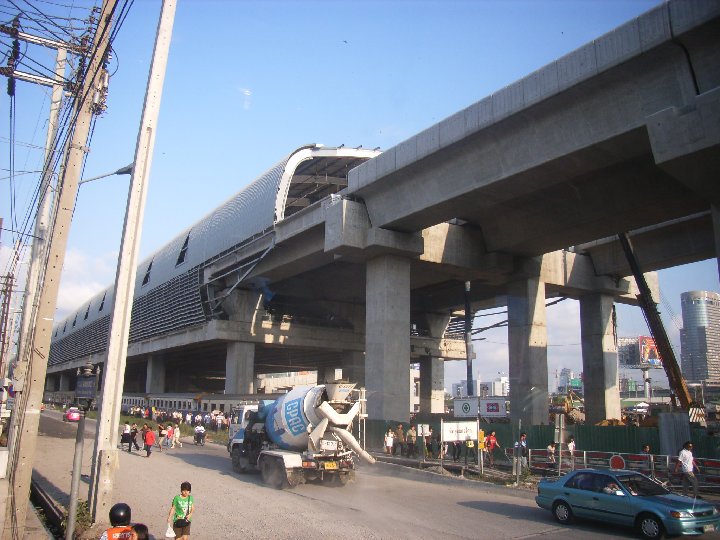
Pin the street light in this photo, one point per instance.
(127, 169)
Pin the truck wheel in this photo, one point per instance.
(342, 479)
(240, 464)
(272, 473)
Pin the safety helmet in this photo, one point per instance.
(120, 514)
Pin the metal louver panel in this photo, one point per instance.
(173, 305)
(92, 339)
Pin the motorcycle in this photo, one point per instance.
(200, 438)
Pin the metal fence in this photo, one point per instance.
(658, 466)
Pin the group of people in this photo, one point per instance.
(409, 444)
(179, 519)
(168, 436)
(215, 420)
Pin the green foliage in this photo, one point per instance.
(83, 518)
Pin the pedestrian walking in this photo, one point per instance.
(125, 437)
(162, 433)
(411, 438)
(169, 432)
(520, 455)
(399, 441)
(456, 450)
(687, 462)
(181, 512)
(176, 436)
(551, 456)
(389, 437)
(133, 437)
(491, 443)
(148, 439)
(571, 449)
(119, 515)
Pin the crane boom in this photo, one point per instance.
(657, 329)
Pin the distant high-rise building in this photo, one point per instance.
(700, 336)
(566, 375)
(501, 387)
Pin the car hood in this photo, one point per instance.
(678, 502)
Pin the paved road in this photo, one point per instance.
(386, 501)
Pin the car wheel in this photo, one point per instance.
(562, 512)
(650, 527)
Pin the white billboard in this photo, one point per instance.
(460, 431)
(465, 407)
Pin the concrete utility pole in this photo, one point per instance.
(105, 454)
(468, 339)
(42, 221)
(26, 416)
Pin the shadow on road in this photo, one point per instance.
(515, 512)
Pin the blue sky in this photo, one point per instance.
(248, 81)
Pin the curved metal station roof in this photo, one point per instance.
(302, 178)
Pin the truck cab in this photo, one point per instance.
(239, 416)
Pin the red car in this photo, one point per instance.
(72, 415)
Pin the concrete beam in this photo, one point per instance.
(348, 231)
(666, 245)
(686, 142)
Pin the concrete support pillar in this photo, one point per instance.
(64, 382)
(432, 385)
(353, 367)
(387, 337)
(240, 368)
(716, 228)
(50, 383)
(527, 338)
(155, 379)
(600, 359)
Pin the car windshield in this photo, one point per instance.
(641, 485)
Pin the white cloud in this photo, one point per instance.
(246, 94)
(83, 276)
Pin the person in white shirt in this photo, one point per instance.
(199, 433)
(571, 449)
(688, 464)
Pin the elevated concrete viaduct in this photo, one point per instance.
(622, 134)
(521, 194)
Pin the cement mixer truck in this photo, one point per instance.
(303, 435)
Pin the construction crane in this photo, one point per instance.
(652, 316)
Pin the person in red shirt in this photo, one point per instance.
(490, 443)
(148, 439)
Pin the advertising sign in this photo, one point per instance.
(492, 408)
(460, 431)
(649, 355)
(465, 407)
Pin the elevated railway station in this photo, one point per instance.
(356, 259)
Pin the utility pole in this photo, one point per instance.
(105, 454)
(42, 221)
(26, 417)
(468, 339)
